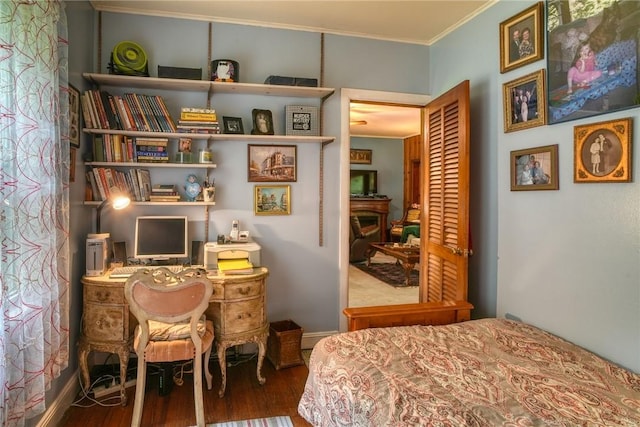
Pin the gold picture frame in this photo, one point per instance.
(74, 117)
(602, 151)
(362, 157)
(535, 169)
(524, 101)
(528, 47)
(272, 200)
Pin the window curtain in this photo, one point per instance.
(34, 205)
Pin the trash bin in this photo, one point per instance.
(284, 344)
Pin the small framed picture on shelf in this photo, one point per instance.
(524, 102)
(535, 169)
(272, 200)
(74, 117)
(232, 125)
(272, 163)
(262, 122)
(602, 152)
(302, 120)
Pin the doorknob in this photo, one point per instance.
(462, 252)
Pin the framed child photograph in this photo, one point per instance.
(602, 152)
(592, 58)
(272, 163)
(272, 200)
(524, 102)
(262, 122)
(232, 125)
(535, 169)
(521, 38)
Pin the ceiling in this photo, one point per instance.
(418, 22)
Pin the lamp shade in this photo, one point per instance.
(117, 199)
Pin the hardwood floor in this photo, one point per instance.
(244, 399)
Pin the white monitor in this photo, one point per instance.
(161, 238)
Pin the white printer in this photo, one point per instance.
(213, 251)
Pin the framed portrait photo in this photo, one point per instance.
(272, 200)
(262, 122)
(302, 120)
(272, 163)
(74, 117)
(524, 102)
(535, 169)
(521, 38)
(232, 125)
(602, 152)
(592, 58)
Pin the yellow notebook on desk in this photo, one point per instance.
(235, 266)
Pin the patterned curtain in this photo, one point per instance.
(34, 204)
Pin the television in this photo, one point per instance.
(364, 182)
(161, 238)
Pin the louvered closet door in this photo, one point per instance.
(445, 197)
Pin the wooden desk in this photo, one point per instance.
(237, 308)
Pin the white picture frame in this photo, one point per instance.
(302, 120)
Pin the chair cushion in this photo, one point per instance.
(160, 331)
(181, 349)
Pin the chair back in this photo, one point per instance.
(162, 296)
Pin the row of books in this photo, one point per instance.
(123, 148)
(135, 182)
(130, 112)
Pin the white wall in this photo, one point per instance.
(568, 260)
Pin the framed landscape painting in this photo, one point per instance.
(272, 200)
(592, 49)
(272, 163)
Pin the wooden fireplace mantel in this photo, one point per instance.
(375, 205)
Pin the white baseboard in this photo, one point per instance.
(55, 411)
(311, 339)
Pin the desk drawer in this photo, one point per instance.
(104, 294)
(103, 322)
(243, 290)
(242, 316)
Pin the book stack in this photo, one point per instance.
(150, 149)
(198, 120)
(164, 193)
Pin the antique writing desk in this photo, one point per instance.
(237, 309)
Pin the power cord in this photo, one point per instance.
(86, 394)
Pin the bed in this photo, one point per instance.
(487, 372)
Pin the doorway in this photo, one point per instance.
(347, 96)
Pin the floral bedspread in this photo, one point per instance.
(488, 372)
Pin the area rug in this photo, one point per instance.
(282, 421)
(390, 273)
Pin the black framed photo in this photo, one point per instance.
(535, 169)
(521, 38)
(262, 122)
(591, 58)
(272, 163)
(302, 120)
(225, 70)
(74, 116)
(232, 125)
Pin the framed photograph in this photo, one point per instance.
(262, 122)
(591, 58)
(74, 116)
(72, 164)
(225, 70)
(272, 163)
(232, 125)
(362, 157)
(302, 120)
(524, 102)
(521, 38)
(272, 200)
(535, 169)
(602, 152)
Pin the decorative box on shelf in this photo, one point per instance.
(284, 344)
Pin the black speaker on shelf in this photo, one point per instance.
(197, 252)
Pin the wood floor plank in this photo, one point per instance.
(245, 398)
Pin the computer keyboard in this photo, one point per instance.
(126, 271)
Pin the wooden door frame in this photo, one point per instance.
(346, 97)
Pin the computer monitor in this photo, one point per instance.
(161, 238)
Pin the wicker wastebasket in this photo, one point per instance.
(283, 347)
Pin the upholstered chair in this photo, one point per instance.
(359, 239)
(170, 311)
(410, 220)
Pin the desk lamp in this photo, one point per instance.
(116, 199)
